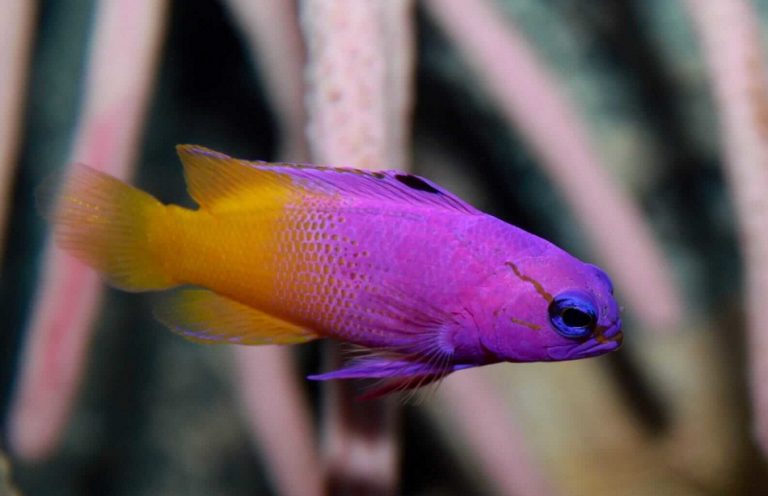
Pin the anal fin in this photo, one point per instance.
(205, 317)
(376, 367)
(397, 374)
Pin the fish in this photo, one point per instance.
(418, 281)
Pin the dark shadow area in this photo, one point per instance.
(633, 387)
(428, 465)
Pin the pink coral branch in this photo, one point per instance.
(529, 97)
(278, 416)
(359, 100)
(121, 68)
(729, 34)
(277, 412)
(481, 419)
(15, 45)
(359, 97)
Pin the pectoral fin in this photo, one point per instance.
(206, 317)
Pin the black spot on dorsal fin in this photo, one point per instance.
(416, 183)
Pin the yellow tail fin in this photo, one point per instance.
(112, 227)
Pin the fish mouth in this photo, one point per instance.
(606, 339)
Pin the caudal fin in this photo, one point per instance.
(112, 227)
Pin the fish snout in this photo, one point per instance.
(606, 339)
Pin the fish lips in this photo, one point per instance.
(599, 345)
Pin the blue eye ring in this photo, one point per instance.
(573, 315)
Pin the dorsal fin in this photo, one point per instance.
(214, 179)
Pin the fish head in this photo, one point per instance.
(550, 308)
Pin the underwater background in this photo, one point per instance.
(669, 413)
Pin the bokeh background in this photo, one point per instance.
(667, 414)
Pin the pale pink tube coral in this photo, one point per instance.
(277, 412)
(729, 34)
(279, 417)
(360, 58)
(529, 98)
(493, 436)
(16, 29)
(359, 86)
(120, 72)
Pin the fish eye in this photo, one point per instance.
(573, 315)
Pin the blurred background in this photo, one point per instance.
(667, 414)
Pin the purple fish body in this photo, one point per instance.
(387, 261)
(447, 286)
(460, 288)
